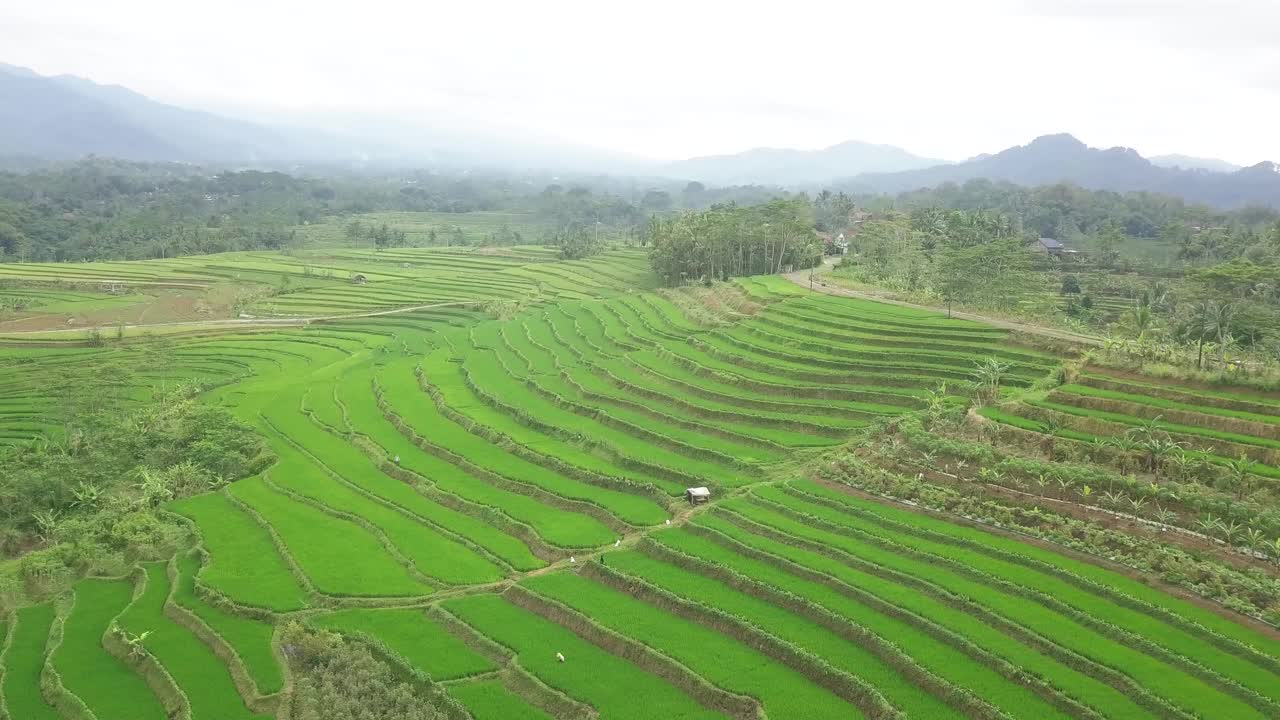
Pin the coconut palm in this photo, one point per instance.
(1141, 320)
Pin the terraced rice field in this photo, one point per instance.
(1217, 424)
(481, 498)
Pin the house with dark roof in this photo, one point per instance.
(1048, 246)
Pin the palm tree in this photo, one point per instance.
(1158, 449)
(1141, 319)
(1124, 446)
(1200, 313)
(1218, 325)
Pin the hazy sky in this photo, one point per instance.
(668, 79)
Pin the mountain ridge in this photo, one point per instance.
(66, 117)
(1061, 157)
(791, 167)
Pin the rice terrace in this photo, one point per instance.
(475, 463)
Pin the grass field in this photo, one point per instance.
(486, 487)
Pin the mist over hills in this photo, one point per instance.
(781, 166)
(66, 117)
(1188, 162)
(1062, 158)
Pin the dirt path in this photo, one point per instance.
(801, 278)
(249, 322)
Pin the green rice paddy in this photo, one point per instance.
(490, 490)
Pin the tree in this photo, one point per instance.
(996, 273)
(1217, 323)
(655, 201)
(1109, 242)
(727, 241)
(1141, 320)
(576, 242)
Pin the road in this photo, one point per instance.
(801, 278)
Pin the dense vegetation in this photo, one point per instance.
(727, 241)
(103, 209)
(448, 481)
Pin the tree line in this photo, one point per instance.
(727, 241)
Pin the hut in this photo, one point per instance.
(359, 279)
(697, 495)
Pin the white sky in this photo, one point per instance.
(668, 79)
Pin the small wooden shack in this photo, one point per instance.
(697, 495)
(359, 279)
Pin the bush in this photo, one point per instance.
(340, 680)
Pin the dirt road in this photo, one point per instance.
(801, 278)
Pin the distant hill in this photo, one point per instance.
(779, 166)
(1188, 162)
(67, 117)
(1062, 158)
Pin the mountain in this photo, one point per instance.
(1053, 159)
(776, 166)
(67, 117)
(1188, 162)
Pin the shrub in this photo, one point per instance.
(340, 680)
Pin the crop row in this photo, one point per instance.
(1121, 629)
